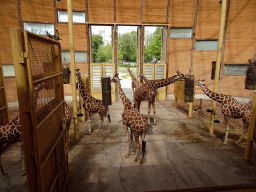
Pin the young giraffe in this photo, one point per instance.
(147, 81)
(133, 120)
(135, 82)
(148, 91)
(92, 105)
(230, 108)
(10, 133)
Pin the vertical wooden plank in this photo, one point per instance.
(114, 40)
(141, 11)
(167, 13)
(55, 18)
(19, 14)
(114, 11)
(193, 37)
(141, 48)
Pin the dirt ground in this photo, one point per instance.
(173, 128)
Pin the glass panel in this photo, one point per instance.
(78, 17)
(235, 69)
(180, 33)
(79, 56)
(8, 70)
(39, 28)
(96, 78)
(206, 45)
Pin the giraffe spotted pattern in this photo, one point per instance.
(230, 108)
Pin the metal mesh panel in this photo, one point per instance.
(148, 72)
(160, 72)
(42, 56)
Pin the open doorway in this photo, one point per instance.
(127, 56)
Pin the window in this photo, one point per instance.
(8, 70)
(180, 33)
(206, 45)
(78, 16)
(39, 28)
(235, 69)
(80, 56)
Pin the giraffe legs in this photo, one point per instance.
(143, 147)
(227, 128)
(246, 125)
(101, 121)
(131, 137)
(89, 121)
(138, 147)
(154, 110)
(149, 109)
(1, 166)
(128, 139)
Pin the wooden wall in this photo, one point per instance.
(240, 40)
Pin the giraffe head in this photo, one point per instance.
(180, 76)
(115, 78)
(200, 82)
(77, 72)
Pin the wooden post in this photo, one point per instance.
(217, 70)
(72, 66)
(190, 110)
(251, 131)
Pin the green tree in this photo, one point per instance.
(127, 46)
(104, 53)
(97, 40)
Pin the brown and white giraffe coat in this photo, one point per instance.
(134, 120)
(91, 104)
(230, 108)
(148, 91)
(135, 82)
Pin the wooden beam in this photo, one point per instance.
(223, 45)
(86, 12)
(55, 17)
(167, 13)
(114, 12)
(193, 37)
(141, 11)
(114, 40)
(141, 48)
(19, 15)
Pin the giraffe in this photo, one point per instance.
(68, 115)
(135, 82)
(135, 121)
(10, 133)
(230, 108)
(147, 81)
(148, 91)
(92, 105)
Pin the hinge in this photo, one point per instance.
(23, 55)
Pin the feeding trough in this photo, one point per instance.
(106, 91)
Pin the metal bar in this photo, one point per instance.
(217, 70)
(48, 77)
(193, 38)
(72, 64)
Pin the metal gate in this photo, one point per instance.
(39, 77)
(98, 71)
(156, 71)
(4, 116)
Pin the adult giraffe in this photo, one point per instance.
(148, 91)
(230, 108)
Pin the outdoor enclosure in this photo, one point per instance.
(41, 104)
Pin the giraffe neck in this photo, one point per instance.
(214, 96)
(84, 94)
(163, 82)
(133, 77)
(126, 102)
(145, 78)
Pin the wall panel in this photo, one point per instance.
(40, 11)
(154, 11)
(76, 5)
(101, 11)
(128, 11)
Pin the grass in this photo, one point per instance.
(126, 76)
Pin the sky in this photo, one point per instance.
(121, 30)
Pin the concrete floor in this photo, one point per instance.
(180, 154)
